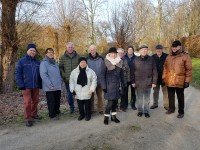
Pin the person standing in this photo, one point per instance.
(176, 75)
(130, 56)
(96, 63)
(51, 83)
(111, 84)
(67, 63)
(83, 82)
(144, 78)
(29, 80)
(160, 58)
(126, 78)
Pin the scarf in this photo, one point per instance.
(177, 52)
(51, 60)
(82, 77)
(113, 61)
(94, 57)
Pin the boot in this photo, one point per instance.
(106, 120)
(114, 118)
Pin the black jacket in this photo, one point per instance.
(159, 65)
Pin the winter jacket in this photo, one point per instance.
(125, 71)
(97, 65)
(27, 73)
(82, 92)
(145, 72)
(159, 65)
(67, 64)
(50, 75)
(177, 70)
(111, 80)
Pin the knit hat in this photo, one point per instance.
(82, 59)
(31, 46)
(176, 43)
(112, 50)
(143, 46)
(130, 46)
(159, 46)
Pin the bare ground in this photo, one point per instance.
(158, 132)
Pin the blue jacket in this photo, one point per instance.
(50, 75)
(27, 73)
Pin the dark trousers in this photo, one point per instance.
(124, 99)
(53, 102)
(111, 106)
(133, 96)
(180, 96)
(70, 98)
(84, 107)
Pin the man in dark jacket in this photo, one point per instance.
(144, 78)
(67, 63)
(96, 63)
(130, 56)
(160, 58)
(28, 80)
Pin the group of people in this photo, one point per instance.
(111, 76)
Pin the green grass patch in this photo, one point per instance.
(196, 72)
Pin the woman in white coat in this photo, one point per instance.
(83, 82)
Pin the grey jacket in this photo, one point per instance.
(97, 64)
(50, 74)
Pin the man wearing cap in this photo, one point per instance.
(130, 56)
(144, 78)
(67, 63)
(177, 74)
(29, 81)
(160, 58)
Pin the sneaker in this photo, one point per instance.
(81, 117)
(154, 106)
(147, 115)
(180, 116)
(37, 117)
(170, 111)
(29, 123)
(140, 114)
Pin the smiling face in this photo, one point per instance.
(70, 47)
(92, 50)
(159, 52)
(31, 52)
(113, 55)
(83, 64)
(143, 51)
(175, 49)
(130, 51)
(120, 53)
(50, 53)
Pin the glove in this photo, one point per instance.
(186, 85)
(74, 93)
(105, 90)
(22, 88)
(163, 83)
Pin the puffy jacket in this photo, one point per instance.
(50, 75)
(82, 92)
(67, 64)
(177, 70)
(27, 73)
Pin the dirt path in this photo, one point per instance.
(158, 132)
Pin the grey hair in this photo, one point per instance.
(120, 49)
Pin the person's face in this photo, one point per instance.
(174, 49)
(83, 64)
(50, 54)
(31, 52)
(121, 54)
(143, 51)
(113, 55)
(130, 51)
(70, 48)
(93, 51)
(159, 51)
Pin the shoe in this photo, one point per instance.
(37, 117)
(71, 111)
(81, 117)
(134, 108)
(166, 108)
(169, 111)
(122, 109)
(106, 120)
(101, 112)
(87, 118)
(147, 115)
(140, 114)
(180, 116)
(154, 106)
(29, 123)
(55, 118)
(114, 118)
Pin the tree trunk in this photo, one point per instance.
(9, 45)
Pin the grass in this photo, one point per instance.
(196, 72)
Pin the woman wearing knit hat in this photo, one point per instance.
(82, 83)
(111, 84)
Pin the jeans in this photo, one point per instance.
(156, 95)
(70, 98)
(143, 94)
